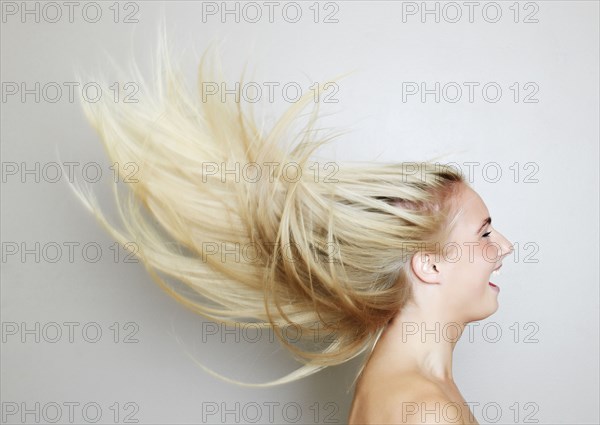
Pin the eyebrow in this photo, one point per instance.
(485, 223)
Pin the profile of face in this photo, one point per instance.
(460, 277)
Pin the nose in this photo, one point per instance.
(505, 245)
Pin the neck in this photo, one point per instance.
(420, 341)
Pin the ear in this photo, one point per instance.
(425, 268)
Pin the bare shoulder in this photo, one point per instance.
(417, 400)
(407, 399)
(430, 407)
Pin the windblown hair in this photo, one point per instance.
(279, 244)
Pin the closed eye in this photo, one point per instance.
(485, 235)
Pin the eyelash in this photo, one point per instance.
(485, 235)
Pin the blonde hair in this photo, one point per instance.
(328, 255)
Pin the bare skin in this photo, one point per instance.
(408, 379)
(405, 395)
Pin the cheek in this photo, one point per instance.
(470, 270)
(470, 267)
(478, 259)
(489, 254)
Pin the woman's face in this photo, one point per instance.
(475, 249)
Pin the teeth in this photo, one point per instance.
(496, 272)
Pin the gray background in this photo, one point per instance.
(543, 367)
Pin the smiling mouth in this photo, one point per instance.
(495, 272)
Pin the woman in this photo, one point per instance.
(327, 256)
(409, 376)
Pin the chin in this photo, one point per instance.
(480, 316)
(492, 307)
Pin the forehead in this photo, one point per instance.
(473, 211)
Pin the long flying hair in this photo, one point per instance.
(287, 243)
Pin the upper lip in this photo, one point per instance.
(497, 267)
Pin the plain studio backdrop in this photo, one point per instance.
(508, 89)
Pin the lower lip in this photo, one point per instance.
(494, 286)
